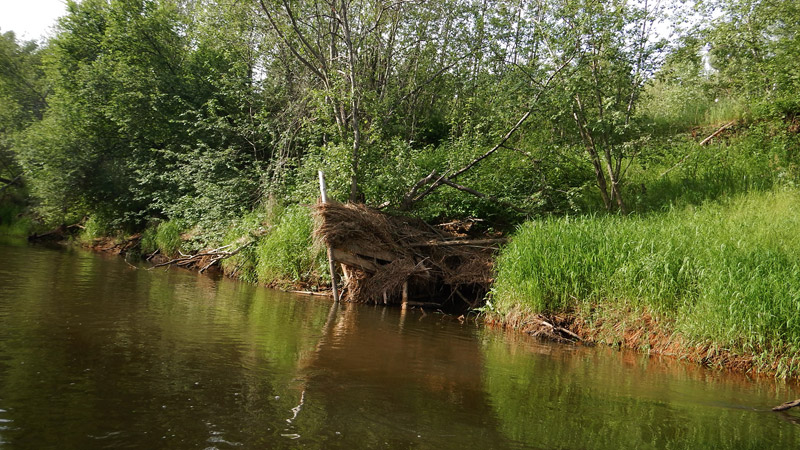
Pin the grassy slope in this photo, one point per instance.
(725, 275)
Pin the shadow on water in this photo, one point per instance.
(96, 354)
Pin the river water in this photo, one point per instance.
(95, 353)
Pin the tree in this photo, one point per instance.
(616, 54)
(755, 49)
(23, 94)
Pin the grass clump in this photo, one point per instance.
(287, 253)
(165, 237)
(13, 222)
(94, 228)
(248, 227)
(725, 274)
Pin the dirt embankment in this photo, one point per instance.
(638, 331)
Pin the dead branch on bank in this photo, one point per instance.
(717, 133)
(540, 326)
(204, 259)
(704, 142)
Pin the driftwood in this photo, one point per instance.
(787, 405)
(59, 233)
(317, 293)
(461, 242)
(204, 259)
(541, 326)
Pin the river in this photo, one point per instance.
(96, 353)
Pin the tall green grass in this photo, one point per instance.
(287, 253)
(165, 237)
(281, 252)
(726, 274)
(13, 222)
(677, 172)
(246, 228)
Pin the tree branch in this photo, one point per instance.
(292, 49)
(217, 255)
(11, 182)
(481, 195)
(501, 143)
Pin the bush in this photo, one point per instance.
(12, 222)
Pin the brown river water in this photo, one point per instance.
(97, 354)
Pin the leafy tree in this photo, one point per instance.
(755, 50)
(23, 96)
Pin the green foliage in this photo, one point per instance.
(166, 238)
(148, 242)
(678, 172)
(93, 228)
(140, 112)
(287, 253)
(249, 227)
(13, 222)
(725, 274)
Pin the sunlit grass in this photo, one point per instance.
(165, 237)
(726, 274)
(287, 253)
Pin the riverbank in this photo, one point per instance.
(717, 284)
(271, 246)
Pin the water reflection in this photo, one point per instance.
(96, 354)
(577, 397)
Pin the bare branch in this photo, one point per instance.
(502, 141)
(11, 182)
(217, 255)
(482, 195)
(292, 49)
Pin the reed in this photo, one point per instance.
(725, 274)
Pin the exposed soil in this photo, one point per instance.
(636, 331)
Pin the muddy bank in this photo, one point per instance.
(641, 332)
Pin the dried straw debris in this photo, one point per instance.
(380, 253)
